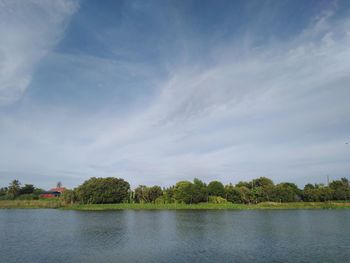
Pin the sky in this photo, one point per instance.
(161, 91)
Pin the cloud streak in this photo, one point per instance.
(278, 109)
(29, 30)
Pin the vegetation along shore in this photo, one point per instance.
(58, 204)
(114, 193)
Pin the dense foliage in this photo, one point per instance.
(115, 190)
(69, 196)
(144, 194)
(15, 191)
(103, 191)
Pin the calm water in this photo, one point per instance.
(175, 236)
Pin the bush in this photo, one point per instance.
(28, 197)
(160, 200)
(217, 200)
(68, 196)
(103, 191)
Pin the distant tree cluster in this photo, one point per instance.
(102, 191)
(116, 190)
(258, 190)
(16, 191)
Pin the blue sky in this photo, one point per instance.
(161, 91)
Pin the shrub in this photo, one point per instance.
(217, 200)
(68, 196)
(103, 191)
(28, 197)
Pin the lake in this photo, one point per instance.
(174, 236)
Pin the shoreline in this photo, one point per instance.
(56, 204)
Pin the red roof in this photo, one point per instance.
(58, 189)
(47, 196)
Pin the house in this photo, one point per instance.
(54, 192)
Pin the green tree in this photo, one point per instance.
(244, 184)
(239, 195)
(38, 191)
(309, 186)
(341, 189)
(3, 191)
(325, 193)
(144, 194)
(286, 192)
(261, 194)
(199, 191)
(261, 190)
(154, 192)
(183, 192)
(103, 190)
(68, 196)
(310, 193)
(317, 193)
(14, 189)
(216, 188)
(169, 195)
(27, 189)
(262, 182)
(141, 194)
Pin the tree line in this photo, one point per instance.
(15, 190)
(117, 190)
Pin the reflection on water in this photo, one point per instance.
(174, 236)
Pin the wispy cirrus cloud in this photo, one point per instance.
(28, 30)
(279, 109)
(244, 109)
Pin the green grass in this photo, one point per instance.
(208, 206)
(48, 203)
(55, 203)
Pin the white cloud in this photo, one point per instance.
(279, 111)
(28, 31)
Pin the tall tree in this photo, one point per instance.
(3, 191)
(286, 192)
(14, 189)
(154, 192)
(141, 194)
(183, 192)
(27, 189)
(169, 194)
(341, 189)
(199, 191)
(262, 182)
(236, 194)
(216, 188)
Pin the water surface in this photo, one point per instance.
(175, 236)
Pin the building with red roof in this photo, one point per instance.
(53, 192)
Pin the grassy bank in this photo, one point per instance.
(208, 206)
(203, 206)
(30, 204)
